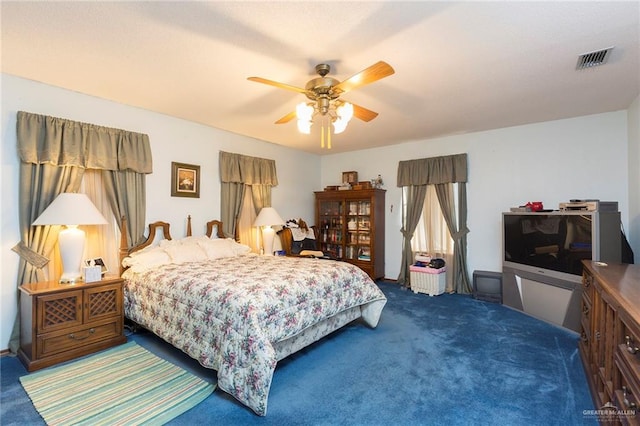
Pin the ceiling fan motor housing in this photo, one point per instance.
(322, 86)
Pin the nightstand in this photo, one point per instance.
(59, 322)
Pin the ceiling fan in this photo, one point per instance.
(324, 98)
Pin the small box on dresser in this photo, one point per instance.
(59, 322)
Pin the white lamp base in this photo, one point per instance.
(268, 234)
(71, 242)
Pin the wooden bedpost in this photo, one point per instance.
(124, 246)
(188, 225)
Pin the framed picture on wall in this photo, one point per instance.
(185, 180)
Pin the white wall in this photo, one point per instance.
(633, 231)
(171, 140)
(552, 162)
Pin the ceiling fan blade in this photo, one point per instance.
(276, 84)
(363, 113)
(287, 118)
(375, 72)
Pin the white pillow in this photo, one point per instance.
(223, 247)
(218, 248)
(181, 253)
(183, 241)
(147, 258)
(239, 249)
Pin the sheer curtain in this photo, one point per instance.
(103, 240)
(247, 233)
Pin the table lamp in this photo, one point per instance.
(267, 217)
(71, 210)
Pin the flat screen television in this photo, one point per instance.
(555, 243)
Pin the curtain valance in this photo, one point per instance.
(237, 168)
(432, 171)
(61, 142)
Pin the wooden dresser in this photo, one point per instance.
(59, 322)
(610, 339)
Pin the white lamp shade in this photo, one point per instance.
(268, 216)
(72, 210)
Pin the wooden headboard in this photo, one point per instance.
(217, 224)
(166, 234)
(153, 227)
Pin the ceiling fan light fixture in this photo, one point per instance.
(339, 125)
(304, 112)
(345, 112)
(304, 127)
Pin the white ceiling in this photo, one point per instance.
(460, 66)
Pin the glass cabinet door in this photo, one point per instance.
(358, 244)
(350, 227)
(331, 228)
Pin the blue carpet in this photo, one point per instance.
(447, 359)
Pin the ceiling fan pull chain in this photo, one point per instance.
(329, 136)
(322, 134)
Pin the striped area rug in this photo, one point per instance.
(126, 385)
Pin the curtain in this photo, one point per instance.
(231, 201)
(414, 202)
(127, 195)
(237, 174)
(61, 142)
(54, 153)
(460, 242)
(448, 207)
(39, 185)
(434, 171)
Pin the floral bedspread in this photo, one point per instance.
(228, 313)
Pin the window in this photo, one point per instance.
(100, 240)
(247, 233)
(432, 234)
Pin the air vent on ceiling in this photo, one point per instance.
(593, 59)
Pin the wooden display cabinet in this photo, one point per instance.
(59, 322)
(350, 227)
(610, 339)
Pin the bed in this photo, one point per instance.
(237, 312)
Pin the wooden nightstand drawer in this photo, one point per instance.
(53, 343)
